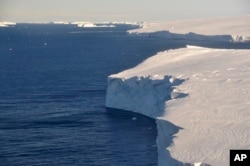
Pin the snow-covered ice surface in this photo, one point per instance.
(200, 98)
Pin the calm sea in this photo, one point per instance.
(53, 80)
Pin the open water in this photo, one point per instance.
(53, 81)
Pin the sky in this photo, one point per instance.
(114, 10)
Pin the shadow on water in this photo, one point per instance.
(129, 127)
(134, 137)
(164, 140)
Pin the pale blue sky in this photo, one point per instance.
(114, 10)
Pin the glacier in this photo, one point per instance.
(198, 96)
(232, 29)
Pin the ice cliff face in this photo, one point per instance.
(148, 95)
(193, 36)
(142, 94)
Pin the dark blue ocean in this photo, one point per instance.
(53, 81)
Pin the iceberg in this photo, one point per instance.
(7, 24)
(93, 25)
(198, 96)
(105, 24)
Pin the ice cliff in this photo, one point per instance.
(193, 36)
(142, 94)
(220, 29)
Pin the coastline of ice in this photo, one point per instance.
(221, 29)
(198, 96)
(193, 36)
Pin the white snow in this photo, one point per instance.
(200, 98)
(93, 25)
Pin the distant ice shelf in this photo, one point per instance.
(234, 29)
(193, 36)
(81, 24)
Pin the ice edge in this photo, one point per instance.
(192, 36)
(149, 96)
